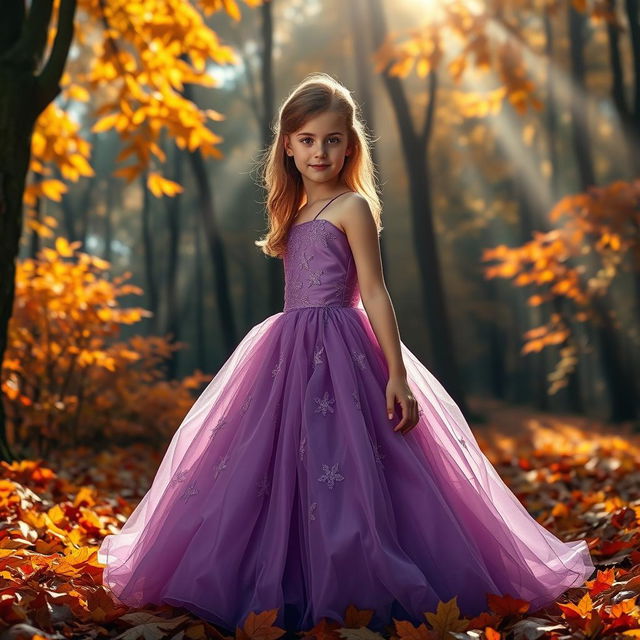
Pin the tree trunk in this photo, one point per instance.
(415, 153)
(174, 206)
(35, 243)
(358, 12)
(23, 96)
(149, 254)
(630, 127)
(552, 110)
(201, 342)
(108, 217)
(580, 99)
(633, 16)
(216, 249)
(275, 267)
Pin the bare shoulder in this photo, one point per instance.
(354, 215)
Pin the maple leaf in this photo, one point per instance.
(583, 609)
(506, 605)
(407, 631)
(355, 617)
(259, 626)
(447, 618)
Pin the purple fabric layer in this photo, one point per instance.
(286, 487)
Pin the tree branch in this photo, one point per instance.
(48, 81)
(432, 83)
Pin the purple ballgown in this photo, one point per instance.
(286, 487)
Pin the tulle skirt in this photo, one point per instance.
(285, 487)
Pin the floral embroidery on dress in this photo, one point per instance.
(379, 455)
(359, 358)
(317, 359)
(339, 289)
(222, 464)
(178, 476)
(216, 428)
(301, 448)
(330, 475)
(188, 492)
(299, 276)
(321, 232)
(356, 400)
(264, 487)
(324, 404)
(314, 278)
(276, 370)
(245, 404)
(312, 510)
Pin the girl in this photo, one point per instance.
(324, 465)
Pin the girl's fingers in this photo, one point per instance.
(405, 415)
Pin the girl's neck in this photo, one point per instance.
(325, 192)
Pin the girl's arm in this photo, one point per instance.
(360, 227)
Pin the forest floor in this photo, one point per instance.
(579, 477)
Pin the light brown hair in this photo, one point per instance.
(315, 94)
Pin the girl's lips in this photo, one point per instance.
(319, 166)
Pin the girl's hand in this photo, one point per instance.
(398, 389)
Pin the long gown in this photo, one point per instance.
(286, 487)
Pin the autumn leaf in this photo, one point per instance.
(446, 618)
(505, 605)
(161, 186)
(405, 630)
(583, 609)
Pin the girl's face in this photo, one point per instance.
(319, 147)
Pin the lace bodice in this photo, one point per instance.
(319, 268)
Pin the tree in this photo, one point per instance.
(147, 52)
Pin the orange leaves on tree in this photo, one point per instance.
(230, 6)
(482, 47)
(134, 62)
(161, 186)
(65, 375)
(576, 262)
(422, 50)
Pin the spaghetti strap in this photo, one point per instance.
(328, 203)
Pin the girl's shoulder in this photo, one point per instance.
(353, 211)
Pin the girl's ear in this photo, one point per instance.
(287, 149)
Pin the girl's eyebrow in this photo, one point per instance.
(312, 134)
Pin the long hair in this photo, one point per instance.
(317, 93)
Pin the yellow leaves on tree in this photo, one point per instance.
(422, 49)
(159, 185)
(133, 61)
(64, 375)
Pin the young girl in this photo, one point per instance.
(324, 465)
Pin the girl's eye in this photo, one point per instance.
(332, 138)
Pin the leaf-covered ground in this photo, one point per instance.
(577, 477)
